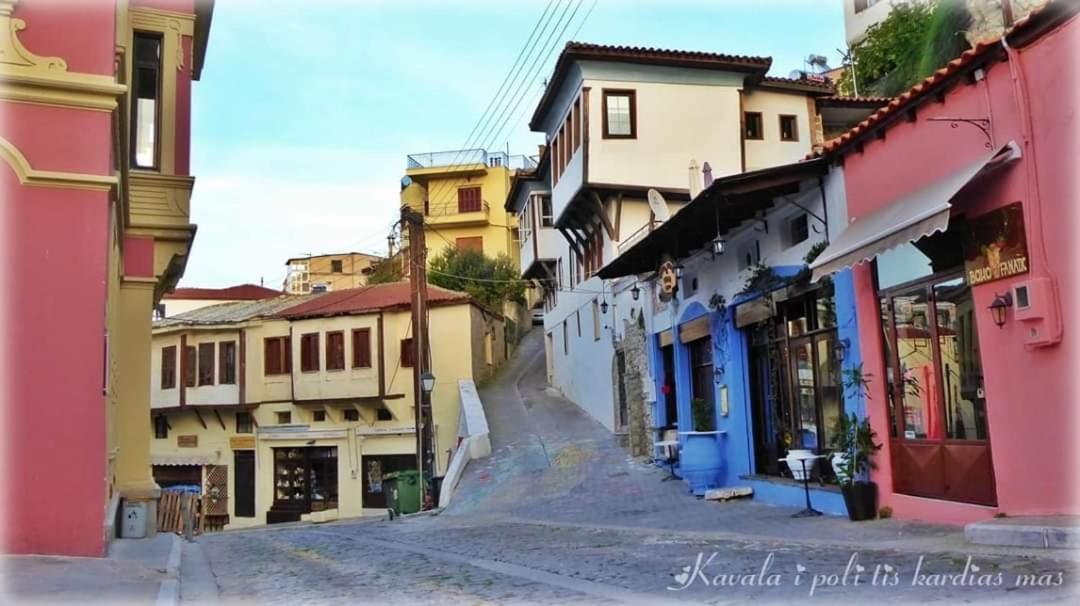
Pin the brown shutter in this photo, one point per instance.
(206, 363)
(309, 352)
(406, 353)
(271, 356)
(361, 348)
(190, 360)
(168, 367)
(335, 350)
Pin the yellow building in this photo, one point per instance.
(461, 195)
(322, 273)
(244, 394)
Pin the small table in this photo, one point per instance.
(671, 460)
(809, 512)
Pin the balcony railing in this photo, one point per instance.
(451, 209)
(628, 242)
(468, 157)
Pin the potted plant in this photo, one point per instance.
(860, 494)
(842, 445)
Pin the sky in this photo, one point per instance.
(306, 111)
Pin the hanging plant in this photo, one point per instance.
(717, 302)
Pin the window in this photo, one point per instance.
(861, 5)
(470, 243)
(351, 414)
(468, 200)
(206, 363)
(595, 320)
(146, 91)
(335, 350)
(320, 288)
(244, 423)
(565, 337)
(789, 128)
(619, 114)
(284, 417)
(276, 357)
(798, 230)
(752, 126)
(227, 362)
(318, 416)
(159, 311)
(335, 266)
(190, 359)
(576, 121)
(407, 353)
(577, 315)
(383, 414)
(161, 427)
(361, 348)
(168, 367)
(547, 219)
(309, 352)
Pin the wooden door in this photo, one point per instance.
(244, 468)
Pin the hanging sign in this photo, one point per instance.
(667, 278)
(996, 245)
(191, 441)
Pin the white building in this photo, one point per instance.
(619, 121)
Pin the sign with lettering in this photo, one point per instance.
(996, 245)
(187, 441)
(242, 442)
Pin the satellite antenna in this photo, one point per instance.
(658, 206)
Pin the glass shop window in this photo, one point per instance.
(145, 99)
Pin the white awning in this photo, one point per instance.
(904, 220)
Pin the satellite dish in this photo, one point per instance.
(658, 206)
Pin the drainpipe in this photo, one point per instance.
(1031, 175)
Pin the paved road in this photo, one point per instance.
(561, 515)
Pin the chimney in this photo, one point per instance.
(707, 171)
(695, 184)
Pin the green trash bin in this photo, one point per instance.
(402, 491)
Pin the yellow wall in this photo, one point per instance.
(320, 271)
(445, 224)
(458, 336)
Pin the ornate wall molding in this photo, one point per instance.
(28, 175)
(31, 78)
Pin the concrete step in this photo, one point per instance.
(1046, 532)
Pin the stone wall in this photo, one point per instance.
(635, 381)
(987, 18)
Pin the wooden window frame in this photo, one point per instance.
(794, 127)
(337, 266)
(278, 416)
(309, 352)
(168, 367)
(619, 92)
(318, 416)
(206, 354)
(406, 353)
(761, 126)
(350, 415)
(335, 355)
(575, 113)
(191, 362)
(161, 427)
(464, 208)
(470, 243)
(248, 427)
(284, 361)
(361, 356)
(226, 371)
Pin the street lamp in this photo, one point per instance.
(1000, 307)
(635, 292)
(427, 381)
(603, 307)
(718, 246)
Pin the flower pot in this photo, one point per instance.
(701, 462)
(860, 498)
(799, 471)
(839, 463)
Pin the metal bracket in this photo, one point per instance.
(808, 212)
(983, 124)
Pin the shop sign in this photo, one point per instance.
(242, 442)
(187, 441)
(667, 278)
(385, 431)
(752, 312)
(996, 245)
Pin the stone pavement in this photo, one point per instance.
(560, 514)
(135, 572)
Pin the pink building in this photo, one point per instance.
(94, 194)
(963, 220)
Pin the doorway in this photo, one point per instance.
(671, 407)
(305, 480)
(795, 382)
(244, 483)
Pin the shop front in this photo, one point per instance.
(305, 481)
(962, 247)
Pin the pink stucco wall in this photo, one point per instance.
(1031, 394)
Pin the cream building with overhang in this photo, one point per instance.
(294, 407)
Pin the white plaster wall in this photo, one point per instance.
(175, 307)
(771, 151)
(200, 394)
(569, 183)
(345, 383)
(675, 123)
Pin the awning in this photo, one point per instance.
(904, 220)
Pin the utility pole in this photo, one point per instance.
(414, 223)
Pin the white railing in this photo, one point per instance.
(475, 441)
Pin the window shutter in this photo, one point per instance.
(190, 360)
(361, 348)
(407, 352)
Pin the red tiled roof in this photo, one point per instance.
(241, 292)
(1045, 14)
(576, 51)
(853, 100)
(368, 298)
(825, 86)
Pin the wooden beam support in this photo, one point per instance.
(219, 419)
(598, 208)
(618, 216)
(570, 240)
(202, 421)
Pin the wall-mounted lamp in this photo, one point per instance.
(841, 348)
(635, 292)
(603, 307)
(718, 246)
(1000, 307)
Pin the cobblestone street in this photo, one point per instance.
(560, 514)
